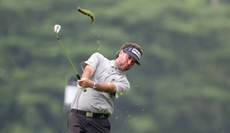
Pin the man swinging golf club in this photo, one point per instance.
(105, 80)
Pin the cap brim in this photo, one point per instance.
(133, 55)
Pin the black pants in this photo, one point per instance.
(78, 123)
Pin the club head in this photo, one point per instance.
(57, 28)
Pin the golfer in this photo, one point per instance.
(105, 80)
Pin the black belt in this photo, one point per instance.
(90, 114)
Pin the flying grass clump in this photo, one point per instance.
(88, 13)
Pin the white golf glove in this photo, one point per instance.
(83, 89)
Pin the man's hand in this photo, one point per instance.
(85, 83)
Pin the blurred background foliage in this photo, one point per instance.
(182, 85)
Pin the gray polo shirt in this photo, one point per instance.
(105, 72)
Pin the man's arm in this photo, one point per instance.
(88, 72)
(102, 87)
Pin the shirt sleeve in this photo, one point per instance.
(92, 61)
(122, 86)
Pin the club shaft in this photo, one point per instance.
(68, 57)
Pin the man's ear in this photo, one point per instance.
(121, 52)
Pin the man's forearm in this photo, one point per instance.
(102, 87)
(88, 72)
(106, 87)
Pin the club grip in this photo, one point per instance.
(78, 76)
(83, 89)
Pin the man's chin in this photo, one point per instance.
(125, 69)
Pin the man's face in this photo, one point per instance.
(125, 61)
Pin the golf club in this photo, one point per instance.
(56, 30)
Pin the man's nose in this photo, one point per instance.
(129, 62)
